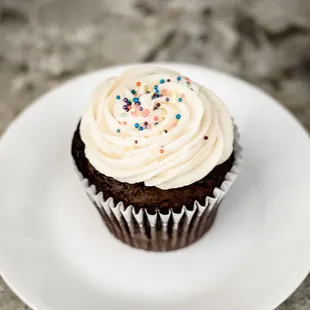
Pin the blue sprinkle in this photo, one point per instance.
(118, 97)
(118, 130)
(155, 86)
(140, 128)
(178, 116)
(156, 123)
(162, 81)
(136, 125)
(180, 99)
(156, 90)
(136, 99)
(133, 91)
(179, 78)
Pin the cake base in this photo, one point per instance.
(150, 198)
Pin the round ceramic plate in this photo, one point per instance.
(56, 254)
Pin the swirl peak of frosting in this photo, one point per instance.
(154, 125)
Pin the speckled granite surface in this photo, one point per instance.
(44, 42)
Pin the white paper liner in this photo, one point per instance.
(162, 231)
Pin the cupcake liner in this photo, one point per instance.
(158, 231)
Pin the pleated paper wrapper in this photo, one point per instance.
(158, 231)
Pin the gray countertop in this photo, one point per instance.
(45, 42)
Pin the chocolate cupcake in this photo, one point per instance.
(156, 153)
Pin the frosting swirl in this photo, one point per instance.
(155, 126)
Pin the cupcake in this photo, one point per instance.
(156, 152)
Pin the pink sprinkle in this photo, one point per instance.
(174, 125)
(183, 96)
(146, 112)
(155, 118)
(149, 126)
(164, 91)
(125, 123)
(134, 113)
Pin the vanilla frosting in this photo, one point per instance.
(154, 125)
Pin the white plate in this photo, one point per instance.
(57, 255)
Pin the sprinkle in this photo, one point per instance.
(136, 100)
(187, 84)
(167, 99)
(149, 127)
(155, 86)
(155, 108)
(183, 96)
(146, 112)
(168, 80)
(180, 99)
(136, 125)
(164, 91)
(141, 109)
(178, 116)
(156, 91)
(206, 137)
(157, 95)
(118, 97)
(162, 81)
(155, 123)
(125, 107)
(123, 114)
(179, 78)
(136, 141)
(145, 123)
(158, 104)
(166, 131)
(129, 102)
(140, 128)
(118, 130)
(138, 83)
(124, 123)
(125, 100)
(155, 118)
(174, 125)
(161, 151)
(133, 91)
